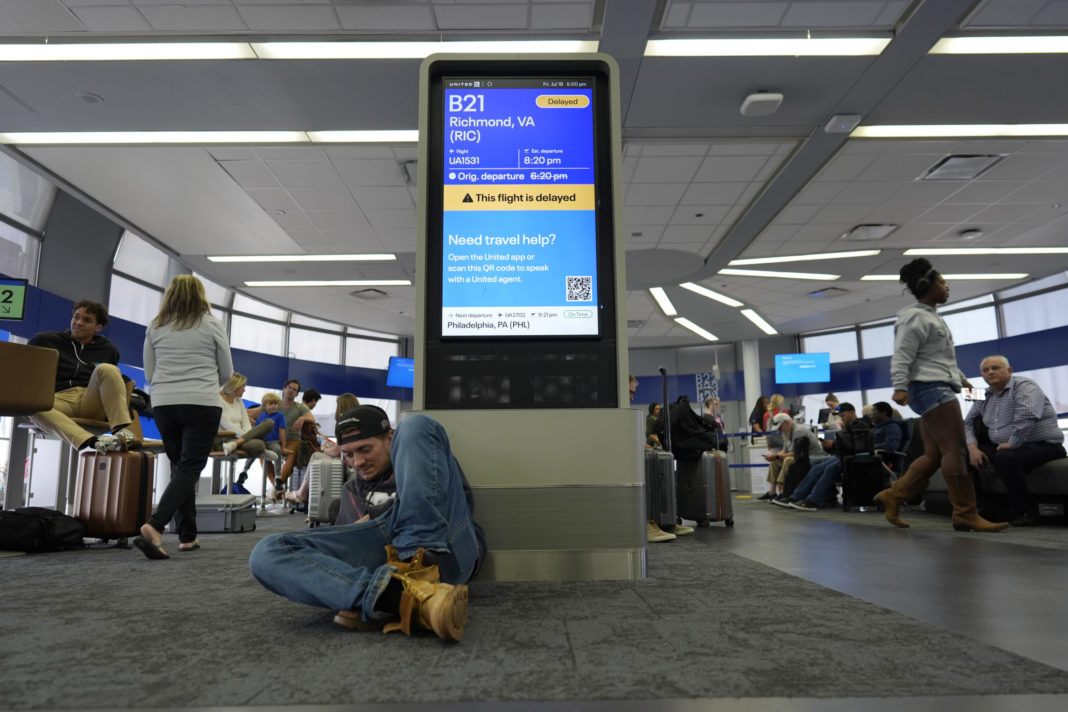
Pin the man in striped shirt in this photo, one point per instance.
(1023, 433)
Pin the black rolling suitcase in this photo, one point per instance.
(704, 490)
(660, 488)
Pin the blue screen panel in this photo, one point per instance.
(803, 368)
(401, 373)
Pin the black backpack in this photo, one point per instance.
(690, 434)
(34, 529)
(855, 440)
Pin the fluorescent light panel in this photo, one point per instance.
(84, 138)
(780, 275)
(983, 251)
(961, 276)
(332, 283)
(413, 50)
(137, 51)
(662, 301)
(955, 130)
(707, 335)
(803, 258)
(1034, 44)
(759, 321)
(767, 47)
(370, 257)
(124, 52)
(709, 294)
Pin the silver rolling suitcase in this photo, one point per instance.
(325, 477)
(704, 489)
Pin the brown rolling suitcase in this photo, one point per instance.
(113, 493)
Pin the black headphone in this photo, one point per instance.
(924, 282)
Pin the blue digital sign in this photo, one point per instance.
(803, 368)
(519, 221)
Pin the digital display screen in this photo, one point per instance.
(803, 368)
(401, 372)
(519, 218)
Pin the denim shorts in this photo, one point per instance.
(925, 396)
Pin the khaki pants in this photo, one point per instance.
(103, 399)
(777, 470)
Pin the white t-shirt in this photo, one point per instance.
(234, 416)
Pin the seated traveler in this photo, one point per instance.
(329, 449)
(818, 488)
(1022, 433)
(88, 383)
(397, 568)
(234, 418)
(779, 462)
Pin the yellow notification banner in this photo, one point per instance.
(519, 197)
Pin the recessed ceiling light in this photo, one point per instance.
(89, 97)
(962, 276)
(759, 321)
(661, 298)
(983, 251)
(780, 275)
(708, 293)
(804, 258)
(767, 47)
(331, 283)
(868, 232)
(1023, 44)
(369, 257)
(958, 130)
(704, 334)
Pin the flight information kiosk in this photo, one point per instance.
(520, 337)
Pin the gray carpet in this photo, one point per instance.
(108, 628)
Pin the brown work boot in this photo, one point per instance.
(353, 620)
(420, 566)
(440, 607)
(965, 517)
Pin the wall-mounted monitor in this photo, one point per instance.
(12, 298)
(401, 372)
(803, 368)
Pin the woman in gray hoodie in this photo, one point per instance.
(925, 376)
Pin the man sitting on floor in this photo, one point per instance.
(387, 569)
(88, 383)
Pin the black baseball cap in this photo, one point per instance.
(845, 406)
(367, 420)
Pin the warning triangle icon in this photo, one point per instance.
(467, 198)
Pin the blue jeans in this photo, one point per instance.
(818, 484)
(344, 567)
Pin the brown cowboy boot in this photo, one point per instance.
(440, 607)
(904, 488)
(965, 517)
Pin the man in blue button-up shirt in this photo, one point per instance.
(1023, 432)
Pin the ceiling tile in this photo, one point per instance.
(688, 234)
(194, 18)
(708, 215)
(391, 219)
(662, 169)
(481, 17)
(324, 198)
(250, 174)
(388, 197)
(713, 193)
(654, 193)
(352, 220)
(833, 14)
(289, 18)
(985, 192)
(112, 19)
(369, 171)
(273, 199)
(721, 15)
(731, 169)
(393, 16)
(304, 174)
(557, 16)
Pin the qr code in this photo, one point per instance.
(579, 289)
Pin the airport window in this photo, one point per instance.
(19, 253)
(369, 353)
(1042, 311)
(216, 293)
(257, 335)
(301, 320)
(841, 345)
(874, 395)
(25, 197)
(978, 301)
(877, 341)
(314, 345)
(133, 301)
(137, 258)
(1054, 280)
(974, 325)
(258, 308)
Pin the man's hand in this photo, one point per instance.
(1005, 446)
(901, 397)
(966, 383)
(976, 456)
(769, 456)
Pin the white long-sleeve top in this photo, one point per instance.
(187, 366)
(234, 416)
(923, 349)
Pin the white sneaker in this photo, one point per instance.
(128, 439)
(653, 533)
(681, 529)
(229, 446)
(109, 443)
